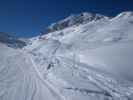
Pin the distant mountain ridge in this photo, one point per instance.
(11, 41)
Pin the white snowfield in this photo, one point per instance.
(20, 80)
(90, 61)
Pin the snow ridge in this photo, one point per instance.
(75, 19)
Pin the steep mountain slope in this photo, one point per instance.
(86, 60)
(75, 20)
(89, 61)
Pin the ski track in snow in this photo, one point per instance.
(53, 90)
(97, 79)
(22, 77)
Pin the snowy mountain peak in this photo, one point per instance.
(125, 14)
(76, 19)
(91, 61)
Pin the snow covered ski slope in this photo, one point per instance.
(84, 57)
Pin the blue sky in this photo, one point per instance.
(28, 17)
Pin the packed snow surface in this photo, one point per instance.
(88, 61)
